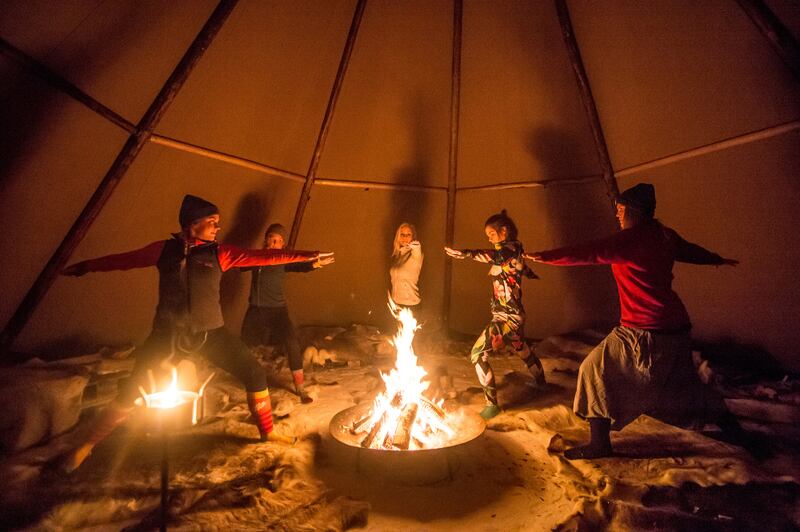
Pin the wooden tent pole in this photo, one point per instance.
(375, 185)
(771, 27)
(545, 183)
(118, 168)
(225, 157)
(452, 171)
(739, 140)
(586, 98)
(32, 66)
(305, 195)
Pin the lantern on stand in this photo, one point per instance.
(168, 411)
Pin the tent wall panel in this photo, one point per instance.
(359, 225)
(563, 299)
(788, 12)
(393, 116)
(665, 82)
(115, 307)
(741, 203)
(46, 176)
(667, 78)
(261, 89)
(119, 52)
(521, 114)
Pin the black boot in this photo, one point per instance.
(600, 444)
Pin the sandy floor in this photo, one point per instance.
(662, 477)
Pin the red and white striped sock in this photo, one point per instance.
(261, 408)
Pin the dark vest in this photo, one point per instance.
(266, 289)
(189, 299)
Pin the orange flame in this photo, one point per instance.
(404, 388)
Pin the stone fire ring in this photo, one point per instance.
(417, 467)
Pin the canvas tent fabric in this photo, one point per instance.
(691, 97)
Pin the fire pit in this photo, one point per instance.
(403, 435)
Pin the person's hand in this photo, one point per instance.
(535, 256)
(324, 255)
(75, 270)
(414, 244)
(729, 262)
(481, 257)
(456, 254)
(324, 261)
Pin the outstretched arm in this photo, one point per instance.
(235, 257)
(140, 258)
(480, 255)
(303, 267)
(694, 254)
(604, 251)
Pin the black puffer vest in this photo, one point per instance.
(191, 302)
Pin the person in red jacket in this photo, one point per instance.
(188, 314)
(644, 365)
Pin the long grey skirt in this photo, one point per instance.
(634, 371)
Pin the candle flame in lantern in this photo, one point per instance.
(402, 401)
(169, 398)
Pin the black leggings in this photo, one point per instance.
(272, 326)
(220, 347)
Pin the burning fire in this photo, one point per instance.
(172, 397)
(401, 417)
(169, 398)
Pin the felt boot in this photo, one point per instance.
(600, 444)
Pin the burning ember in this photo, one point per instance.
(401, 418)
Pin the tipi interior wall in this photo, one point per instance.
(691, 97)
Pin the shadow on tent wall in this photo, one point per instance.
(252, 214)
(406, 206)
(587, 289)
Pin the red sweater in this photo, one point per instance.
(229, 257)
(641, 260)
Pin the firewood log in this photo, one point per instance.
(366, 443)
(402, 436)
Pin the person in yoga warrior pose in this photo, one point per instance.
(644, 365)
(267, 319)
(508, 313)
(190, 267)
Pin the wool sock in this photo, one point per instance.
(261, 409)
(299, 386)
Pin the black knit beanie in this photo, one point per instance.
(641, 197)
(277, 229)
(194, 208)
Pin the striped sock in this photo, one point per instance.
(261, 408)
(299, 379)
(297, 376)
